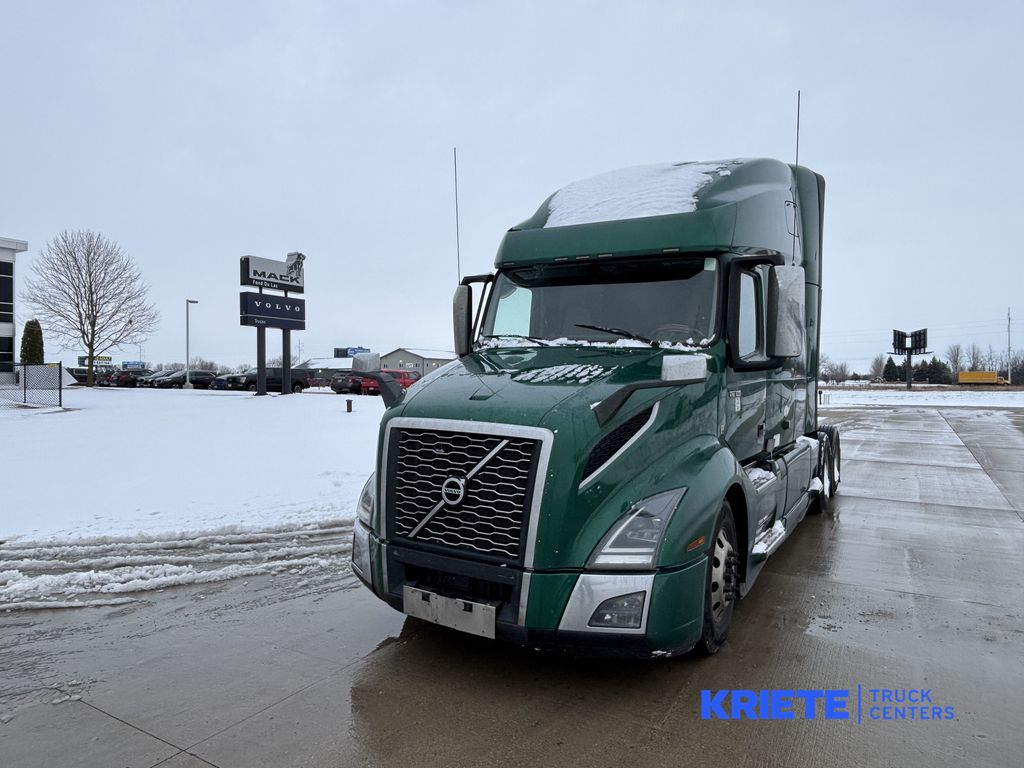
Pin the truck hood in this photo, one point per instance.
(522, 386)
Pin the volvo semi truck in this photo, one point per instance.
(630, 429)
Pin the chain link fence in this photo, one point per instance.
(38, 385)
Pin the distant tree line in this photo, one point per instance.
(945, 370)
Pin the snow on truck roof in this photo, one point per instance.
(632, 193)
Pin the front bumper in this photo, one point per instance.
(545, 609)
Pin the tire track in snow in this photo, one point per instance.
(86, 572)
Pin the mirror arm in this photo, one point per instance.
(391, 391)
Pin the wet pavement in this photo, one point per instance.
(913, 579)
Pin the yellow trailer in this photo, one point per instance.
(981, 377)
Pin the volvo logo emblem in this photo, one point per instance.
(453, 490)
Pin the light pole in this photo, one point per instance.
(188, 381)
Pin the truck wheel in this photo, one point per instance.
(297, 389)
(722, 583)
(828, 466)
(252, 387)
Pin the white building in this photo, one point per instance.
(423, 360)
(7, 250)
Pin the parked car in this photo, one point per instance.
(247, 380)
(221, 382)
(128, 378)
(79, 374)
(151, 381)
(198, 379)
(403, 376)
(105, 378)
(347, 383)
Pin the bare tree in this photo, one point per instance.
(975, 358)
(833, 370)
(955, 358)
(877, 367)
(89, 292)
(840, 371)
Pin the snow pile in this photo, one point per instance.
(987, 398)
(130, 462)
(632, 193)
(138, 490)
(577, 374)
(759, 476)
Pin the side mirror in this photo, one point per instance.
(368, 365)
(462, 316)
(367, 362)
(786, 291)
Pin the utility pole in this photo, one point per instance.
(1009, 351)
(188, 382)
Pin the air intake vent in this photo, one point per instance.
(614, 441)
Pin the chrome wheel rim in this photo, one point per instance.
(721, 564)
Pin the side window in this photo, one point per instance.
(513, 314)
(751, 325)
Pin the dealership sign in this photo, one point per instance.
(350, 351)
(269, 273)
(265, 311)
(83, 360)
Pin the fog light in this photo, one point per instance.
(622, 612)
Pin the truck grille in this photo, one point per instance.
(495, 474)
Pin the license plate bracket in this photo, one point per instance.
(464, 615)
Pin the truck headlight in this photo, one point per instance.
(367, 499)
(361, 551)
(633, 542)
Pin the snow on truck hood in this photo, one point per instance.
(633, 193)
(520, 386)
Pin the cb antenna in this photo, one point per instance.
(797, 128)
(458, 251)
(796, 166)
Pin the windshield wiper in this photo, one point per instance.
(619, 332)
(539, 342)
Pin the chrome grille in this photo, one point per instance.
(496, 471)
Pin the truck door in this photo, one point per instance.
(745, 407)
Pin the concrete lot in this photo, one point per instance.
(913, 580)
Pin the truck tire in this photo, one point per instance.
(722, 582)
(296, 389)
(252, 387)
(828, 465)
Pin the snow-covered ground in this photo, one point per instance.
(947, 398)
(132, 490)
(129, 491)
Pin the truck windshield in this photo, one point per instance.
(652, 299)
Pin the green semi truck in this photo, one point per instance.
(630, 429)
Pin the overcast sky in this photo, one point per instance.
(194, 133)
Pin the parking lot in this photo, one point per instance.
(914, 579)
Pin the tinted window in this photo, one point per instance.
(751, 325)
